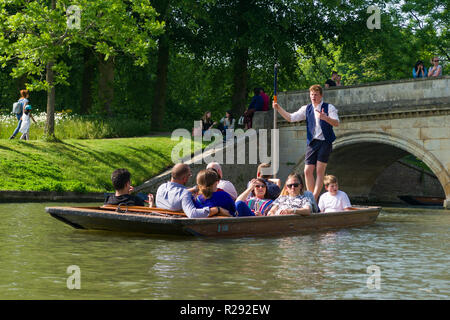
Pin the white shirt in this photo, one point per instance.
(300, 115)
(329, 203)
(228, 187)
(25, 126)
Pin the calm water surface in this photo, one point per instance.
(409, 246)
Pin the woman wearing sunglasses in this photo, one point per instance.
(293, 200)
(436, 69)
(258, 205)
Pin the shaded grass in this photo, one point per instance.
(81, 165)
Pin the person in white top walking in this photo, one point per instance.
(320, 118)
(335, 199)
(26, 122)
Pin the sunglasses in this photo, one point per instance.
(435, 60)
(260, 186)
(295, 185)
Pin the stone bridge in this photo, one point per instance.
(380, 123)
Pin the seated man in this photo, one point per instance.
(174, 195)
(273, 185)
(335, 199)
(121, 180)
(225, 185)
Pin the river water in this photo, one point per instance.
(404, 255)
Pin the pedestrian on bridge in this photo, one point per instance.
(320, 118)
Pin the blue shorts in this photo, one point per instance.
(318, 150)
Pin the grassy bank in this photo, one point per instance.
(71, 126)
(80, 165)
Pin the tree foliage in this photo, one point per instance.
(211, 53)
(36, 35)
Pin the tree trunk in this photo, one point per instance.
(106, 84)
(49, 130)
(20, 83)
(160, 89)
(159, 102)
(240, 78)
(240, 60)
(88, 75)
(50, 121)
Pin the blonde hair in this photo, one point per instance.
(317, 88)
(293, 175)
(328, 179)
(205, 181)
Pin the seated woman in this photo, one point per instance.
(227, 122)
(207, 122)
(292, 199)
(258, 205)
(419, 71)
(209, 196)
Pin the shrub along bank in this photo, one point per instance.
(80, 165)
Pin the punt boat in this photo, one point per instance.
(157, 221)
(422, 201)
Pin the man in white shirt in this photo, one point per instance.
(320, 119)
(173, 195)
(225, 185)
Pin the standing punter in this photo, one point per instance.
(320, 118)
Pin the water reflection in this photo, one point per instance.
(409, 247)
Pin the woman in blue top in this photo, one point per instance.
(419, 71)
(24, 94)
(209, 196)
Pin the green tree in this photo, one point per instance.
(35, 35)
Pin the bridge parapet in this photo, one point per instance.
(387, 98)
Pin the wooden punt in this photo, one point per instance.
(422, 201)
(164, 222)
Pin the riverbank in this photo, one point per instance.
(79, 166)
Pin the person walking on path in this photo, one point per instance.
(320, 118)
(26, 122)
(23, 101)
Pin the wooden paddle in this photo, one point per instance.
(142, 209)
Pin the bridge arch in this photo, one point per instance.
(359, 158)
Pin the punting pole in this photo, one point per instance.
(275, 87)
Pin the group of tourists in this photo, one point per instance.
(263, 196)
(213, 196)
(228, 122)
